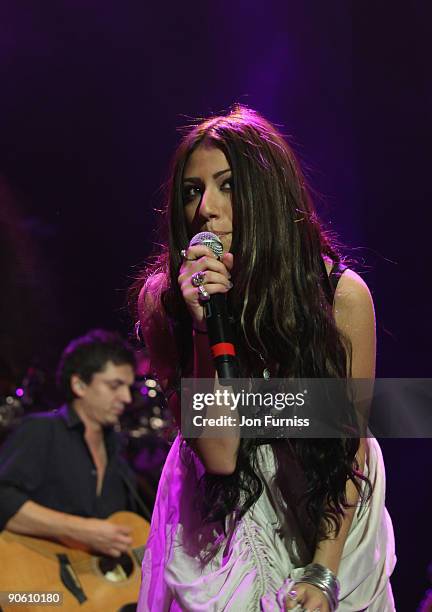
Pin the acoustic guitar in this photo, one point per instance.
(30, 568)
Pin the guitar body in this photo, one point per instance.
(103, 584)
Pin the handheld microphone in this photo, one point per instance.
(218, 324)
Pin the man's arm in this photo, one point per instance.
(95, 534)
(23, 461)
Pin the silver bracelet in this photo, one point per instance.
(323, 578)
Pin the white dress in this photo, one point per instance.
(251, 569)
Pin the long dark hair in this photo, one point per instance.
(280, 302)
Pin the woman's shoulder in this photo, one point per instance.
(153, 321)
(156, 330)
(149, 297)
(352, 292)
(351, 289)
(354, 316)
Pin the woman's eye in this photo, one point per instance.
(227, 185)
(190, 192)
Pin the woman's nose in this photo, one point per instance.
(210, 205)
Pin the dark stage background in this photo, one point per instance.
(91, 96)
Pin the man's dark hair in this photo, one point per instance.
(89, 354)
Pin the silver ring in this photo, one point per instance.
(197, 279)
(292, 594)
(203, 295)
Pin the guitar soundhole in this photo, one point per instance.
(116, 569)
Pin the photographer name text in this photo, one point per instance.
(267, 420)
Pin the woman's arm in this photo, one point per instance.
(355, 319)
(219, 454)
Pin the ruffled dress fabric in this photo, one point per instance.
(196, 568)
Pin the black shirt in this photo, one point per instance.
(47, 461)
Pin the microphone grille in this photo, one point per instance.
(209, 240)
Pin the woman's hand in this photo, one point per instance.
(216, 278)
(310, 598)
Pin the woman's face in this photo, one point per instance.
(207, 192)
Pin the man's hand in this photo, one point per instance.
(104, 537)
